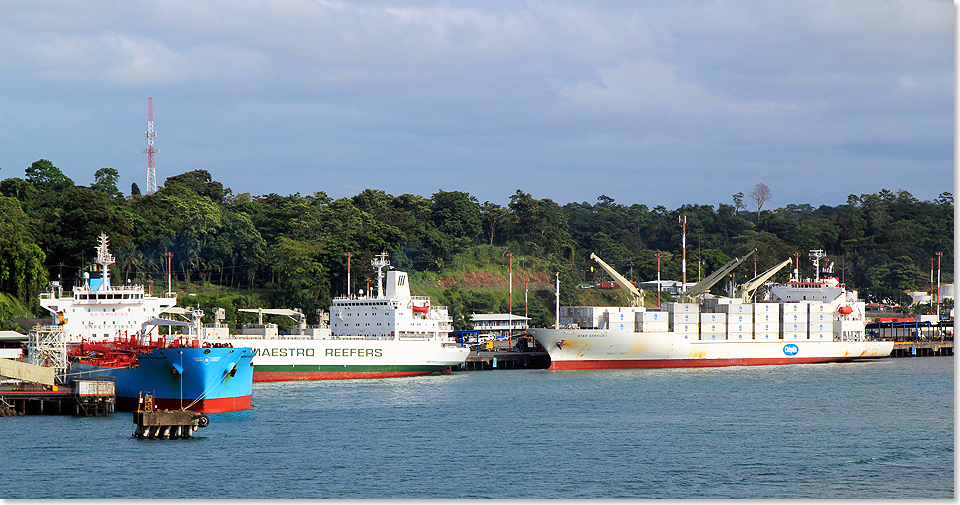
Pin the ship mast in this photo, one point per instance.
(815, 256)
(104, 258)
(379, 262)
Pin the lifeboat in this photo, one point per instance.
(422, 310)
(846, 309)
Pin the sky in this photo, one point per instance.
(652, 102)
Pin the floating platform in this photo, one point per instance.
(152, 423)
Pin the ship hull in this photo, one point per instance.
(603, 349)
(198, 379)
(290, 359)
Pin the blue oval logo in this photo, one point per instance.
(791, 349)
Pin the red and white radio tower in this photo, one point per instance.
(151, 170)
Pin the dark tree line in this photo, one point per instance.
(295, 247)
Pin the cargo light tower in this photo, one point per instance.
(150, 135)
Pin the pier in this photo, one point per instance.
(504, 360)
(82, 398)
(922, 348)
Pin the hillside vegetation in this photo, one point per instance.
(244, 251)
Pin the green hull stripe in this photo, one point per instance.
(348, 368)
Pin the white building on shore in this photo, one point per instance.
(499, 325)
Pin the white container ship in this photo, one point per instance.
(815, 320)
(392, 334)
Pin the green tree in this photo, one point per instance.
(21, 259)
(105, 181)
(46, 177)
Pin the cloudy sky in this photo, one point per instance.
(655, 102)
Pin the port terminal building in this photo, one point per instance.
(492, 325)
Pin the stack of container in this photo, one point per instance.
(684, 319)
(739, 318)
(652, 321)
(713, 326)
(821, 321)
(766, 321)
(795, 320)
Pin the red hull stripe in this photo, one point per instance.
(692, 363)
(207, 406)
(311, 376)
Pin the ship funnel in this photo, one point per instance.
(398, 285)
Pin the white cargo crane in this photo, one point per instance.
(294, 314)
(633, 294)
(696, 293)
(745, 290)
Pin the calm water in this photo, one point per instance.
(858, 430)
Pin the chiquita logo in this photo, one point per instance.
(791, 349)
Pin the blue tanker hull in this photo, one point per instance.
(205, 379)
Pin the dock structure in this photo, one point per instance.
(922, 348)
(33, 389)
(82, 398)
(504, 360)
(152, 423)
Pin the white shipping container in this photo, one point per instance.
(794, 335)
(713, 336)
(652, 326)
(739, 328)
(820, 317)
(735, 308)
(678, 308)
(766, 327)
(686, 328)
(767, 335)
(683, 318)
(96, 388)
(821, 335)
(794, 327)
(795, 318)
(767, 317)
(821, 308)
(713, 317)
(795, 308)
(740, 319)
(652, 316)
(713, 328)
(766, 308)
(740, 336)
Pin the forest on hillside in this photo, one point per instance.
(292, 250)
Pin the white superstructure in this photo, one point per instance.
(99, 310)
(387, 335)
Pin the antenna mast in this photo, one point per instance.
(150, 135)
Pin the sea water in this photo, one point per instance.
(876, 429)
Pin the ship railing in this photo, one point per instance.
(415, 336)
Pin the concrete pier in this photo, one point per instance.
(922, 348)
(504, 360)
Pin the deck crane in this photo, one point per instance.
(633, 294)
(745, 290)
(294, 314)
(696, 293)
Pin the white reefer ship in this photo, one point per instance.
(812, 321)
(391, 335)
